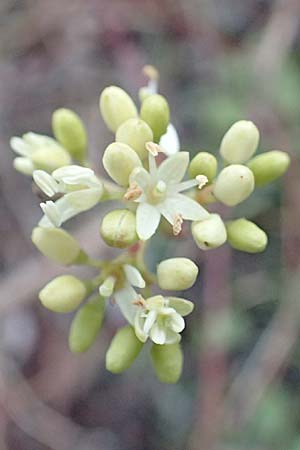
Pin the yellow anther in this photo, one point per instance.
(202, 180)
(177, 225)
(133, 192)
(139, 301)
(153, 148)
(151, 72)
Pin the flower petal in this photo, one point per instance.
(46, 182)
(149, 322)
(188, 208)
(158, 334)
(170, 141)
(181, 306)
(147, 220)
(124, 298)
(172, 169)
(20, 147)
(134, 276)
(176, 322)
(172, 337)
(139, 327)
(141, 177)
(74, 175)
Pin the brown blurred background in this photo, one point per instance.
(219, 61)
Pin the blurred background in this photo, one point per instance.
(219, 61)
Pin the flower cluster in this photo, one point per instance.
(154, 180)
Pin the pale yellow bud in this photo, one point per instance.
(135, 133)
(116, 107)
(56, 244)
(167, 361)
(240, 142)
(123, 350)
(209, 233)
(69, 130)
(119, 160)
(203, 163)
(269, 166)
(176, 274)
(118, 228)
(155, 111)
(246, 236)
(23, 165)
(234, 184)
(63, 294)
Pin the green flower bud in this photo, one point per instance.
(63, 294)
(176, 274)
(269, 166)
(203, 163)
(116, 107)
(119, 160)
(240, 142)
(234, 184)
(209, 233)
(50, 158)
(86, 325)
(118, 228)
(56, 244)
(135, 133)
(69, 130)
(155, 111)
(167, 361)
(123, 350)
(246, 236)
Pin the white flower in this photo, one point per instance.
(158, 193)
(81, 191)
(125, 296)
(38, 151)
(161, 319)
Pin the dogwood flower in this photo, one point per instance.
(158, 193)
(80, 188)
(161, 319)
(125, 295)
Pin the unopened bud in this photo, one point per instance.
(155, 111)
(118, 228)
(86, 325)
(50, 158)
(119, 160)
(176, 274)
(167, 361)
(63, 294)
(234, 184)
(69, 130)
(23, 165)
(209, 233)
(203, 163)
(240, 142)
(116, 107)
(246, 236)
(123, 350)
(269, 166)
(56, 244)
(135, 133)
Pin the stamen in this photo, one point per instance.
(139, 301)
(202, 180)
(177, 225)
(133, 192)
(151, 72)
(153, 148)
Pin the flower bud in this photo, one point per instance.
(246, 236)
(155, 111)
(176, 274)
(135, 133)
(123, 350)
(269, 166)
(240, 142)
(119, 160)
(86, 325)
(56, 244)
(203, 163)
(23, 165)
(63, 294)
(50, 158)
(116, 107)
(69, 130)
(209, 233)
(167, 361)
(234, 184)
(118, 228)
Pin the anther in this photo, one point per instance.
(177, 225)
(153, 148)
(202, 180)
(133, 192)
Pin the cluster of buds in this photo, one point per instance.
(159, 186)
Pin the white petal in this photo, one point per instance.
(133, 276)
(152, 166)
(46, 182)
(74, 175)
(187, 207)
(172, 169)
(139, 327)
(141, 177)
(107, 287)
(84, 199)
(52, 212)
(20, 147)
(170, 141)
(176, 323)
(181, 306)
(149, 322)
(158, 334)
(124, 298)
(147, 220)
(172, 337)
